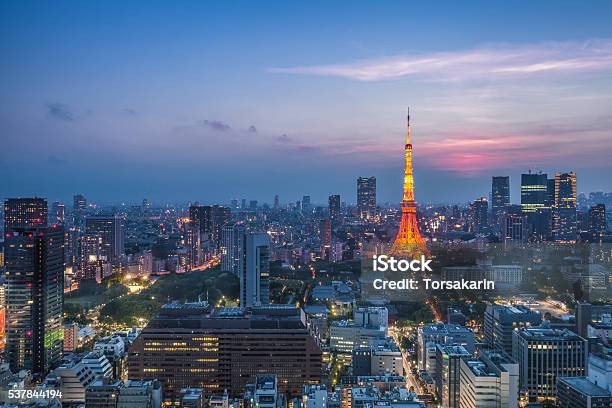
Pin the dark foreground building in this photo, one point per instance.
(194, 345)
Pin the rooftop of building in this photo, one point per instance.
(584, 386)
(480, 369)
(453, 350)
(442, 328)
(548, 334)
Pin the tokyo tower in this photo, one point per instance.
(408, 242)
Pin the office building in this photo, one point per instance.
(448, 373)
(334, 210)
(58, 213)
(138, 394)
(254, 263)
(24, 213)
(534, 192)
(579, 392)
(194, 345)
(102, 393)
(514, 225)
(192, 398)
(232, 247)
(366, 197)
(500, 197)
(431, 335)
(564, 214)
(479, 213)
(34, 257)
(79, 208)
(381, 357)
(110, 230)
(71, 378)
(597, 223)
(500, 322)
(490, 381)
(545, 354)
(306, 205)
(92, 260)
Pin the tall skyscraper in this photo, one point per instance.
(219, 217)
(534, 192)
(366, 197)
(408, 242)
(110, 229)
(276, 202)
(597, 222)
(255, 270)
(58, 213)
(479, 210)
(78, 209)
(34, 258)
(306, 207)
(334, 209)
(91, 257)
(564, 214)
(500, 197)
(232, 247)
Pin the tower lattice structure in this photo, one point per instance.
(408, 242)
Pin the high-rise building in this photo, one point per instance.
(219, 217)
(431, 335)
(24, 213)
(79, 208)
(255, 270)
(306, 206)
(232, 247)
(276, 202)
(489, 381)
(334, 209)
(408, 241)
(110, 229)
(597, 222)
(91, 257)
(448, 373)
(201, 215)
(544, 355)
(534, 192)
(34, 257)
(564, 214)
(500, 197)
(500, 322)
(515, 227)
(193, 345)
(58, 213)
(479, 211)
(366, 196)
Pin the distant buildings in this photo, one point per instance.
(79, 208)
(564, 214)
(366, 197)
(500, 197)
(534, 192)
(544, 355)
(193, 345)
(110, 229)
(34, 257)
(334, 210)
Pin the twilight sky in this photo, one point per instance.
(209, 101)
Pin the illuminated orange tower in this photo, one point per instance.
(408, 242)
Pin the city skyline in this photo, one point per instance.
(208, 108)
